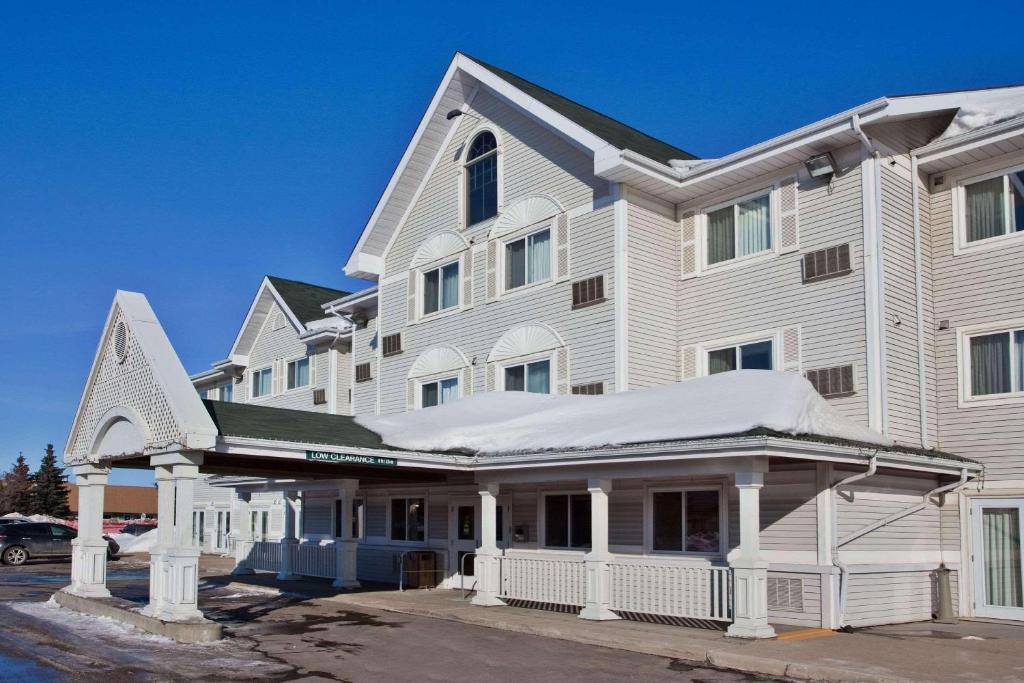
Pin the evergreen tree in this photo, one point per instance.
(50, 495)
(16, 489)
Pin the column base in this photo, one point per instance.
(89, 569)
(177, 583)
(597, 613)
(487, 601)
(744, 630)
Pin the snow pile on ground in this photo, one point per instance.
(986, 109)
(719, 405)
(136, 544)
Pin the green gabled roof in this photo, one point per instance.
(608, 129)
(283, 424)
(305, 300)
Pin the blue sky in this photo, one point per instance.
(184, 151)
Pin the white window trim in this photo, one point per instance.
(464, 176)
(773, 217)
(960, 243)
(421, 277)
(304, 387)
(426, 521)
(963, 353)
(501, 266)
(550, 356)
(542, 526)
(774, 336)
(436, 379)
(220, 391)
(252, 384)
(723, 520)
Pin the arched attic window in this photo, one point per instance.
(482, 178)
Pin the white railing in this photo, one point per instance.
(313, 559)
(551, 580)
(668, 589)
(265, 556)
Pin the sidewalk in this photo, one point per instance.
(909, 652)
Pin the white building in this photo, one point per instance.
(526, 243)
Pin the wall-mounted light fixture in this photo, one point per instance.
(453, 113)
(821, 165)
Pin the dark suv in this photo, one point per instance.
(21, 542)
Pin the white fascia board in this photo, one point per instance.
(364, 266)
(293, 450)
(350, 300)
(268, 287)
(968, 141)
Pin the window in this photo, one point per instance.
(439, 392)
(588, 292)
(824, 264)
(408, 517)
(994, 206)
(227, 392)
(533, 377)
(591, 389)
(357, 518)
(740, 229)
(204, 393)
(363, 372)
(482, 178)
(686, 521)
(298, 373)
(441, 288)
(392, 344)
(528, 260)
(567, 520)
(996, 363)
(262, 382)
(753, 356)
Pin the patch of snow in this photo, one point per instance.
(985, 109)
(972, 638)
(330, 323)
(718, 405)
(35, 518)
(136, 544)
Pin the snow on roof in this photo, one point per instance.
(985, 109)
(718, 405)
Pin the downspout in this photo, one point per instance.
(843, 570)
(915, 193)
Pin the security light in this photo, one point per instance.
(821, 165)
(453, 113)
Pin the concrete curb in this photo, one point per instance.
(124, 611)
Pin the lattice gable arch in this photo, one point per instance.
(138, 399)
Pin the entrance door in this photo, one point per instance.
(199, 529)
(463, 540)
(998, 557)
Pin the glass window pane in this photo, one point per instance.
(984, 209)
(415, 524)
(499, 522)
(227, 392)
(1001, 538)
(538, 377)
(449, 390)
(990, 364)
(580, 520)
(431, 286)
(466, 523)
(450, 285)
(398, 519)
(1017, 199)
(515, 378)
(430, 394)
(482, 144)
(702, 521)
(515, 264)
(482, 189)
(1018, 359)
(556, 521)
(754, 228)
(756, 356)
(722, 360)
(721, 237)
(668, 520)
(357, 518)
(298, 373)
(539, 257)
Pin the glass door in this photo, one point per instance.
(463, 540)
(998, 557)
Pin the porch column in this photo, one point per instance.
(241, 513)
(289, 541)
(750, 572)
(346, 546)
(177, 561)
(88, 549)
(597, 560)
(488, 567)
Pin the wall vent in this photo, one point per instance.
(319, 396)
(832, 382)
(825, 264)
(785, 594)
(363, 372)
(588, 292)
(392, 344)
(591, 389)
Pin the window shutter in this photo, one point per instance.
(277, 379)
(688, 362)
(689, 243)
(492, 270)
(467, 278)
(789, 228)
(562, 371)
(410, 395)
(562, 246)
(411, 294)
(492, 377)
(791, 349)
